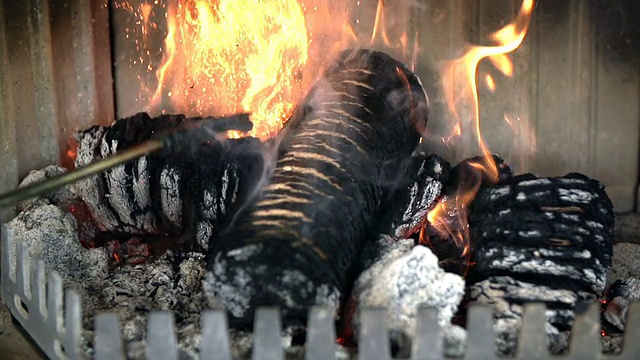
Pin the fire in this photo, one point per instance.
(461, 89)
(230, 56)
(257, 56)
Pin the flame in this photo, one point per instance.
(229, 56)
(491, 84)
(461, 89)
(256, 56)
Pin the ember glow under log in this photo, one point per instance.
(339, 158)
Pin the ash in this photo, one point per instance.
(172, 282)
(627, 262)
(51, 233)
(401, 280)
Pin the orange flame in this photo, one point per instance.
(256, 56)
(461, 89)
(229, 56)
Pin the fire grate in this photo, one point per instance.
(35, 298)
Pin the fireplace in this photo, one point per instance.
(68, 65)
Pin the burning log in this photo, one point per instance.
(190, 187)
(446, 227)
(339, 159)
(540, 239)
(406, 210)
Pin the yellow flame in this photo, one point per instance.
(465, 69)
(230, 56)
(380, 26)
(491, 84)
(256, 56)
(460, 80)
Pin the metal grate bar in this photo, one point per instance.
(161, 336)
(58, 333)
(481, 336)
(586, 328)
(214, 330)
(373, 343)
(536, 345)
(321, 335)
(427, 342)
(267, 343)
(108, 342)
(631, 347)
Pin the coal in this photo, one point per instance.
(186, 190)
(540, 240)
(339, 159)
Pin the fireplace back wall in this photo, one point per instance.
(69, 64)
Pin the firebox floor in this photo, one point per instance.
(15, 344)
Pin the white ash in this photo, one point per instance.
(506, 330)
(575, 196)
(410, 203)
(497, 193)
(454, 341)
(423, 197)
(626, 262)
(403, 279)
(51, 234)
(612, 344)
(170, 195)
(540, 181)
(555, 263)
(242, 346)
(92, 188)
(505, 295)
(235, 288)
(61, 196)
(172, 282)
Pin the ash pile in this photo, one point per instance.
(332, 212)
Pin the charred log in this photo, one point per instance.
(193, 185)
(451, 225)
(420, 187)
(347, 141)
(556, 228)
(540, 240)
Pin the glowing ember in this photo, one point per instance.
(461, 90)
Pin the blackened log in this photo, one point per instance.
(420, 187)
(465, 179)
(536, 239)
(120, 199)
(192, 185)
(354, 132)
